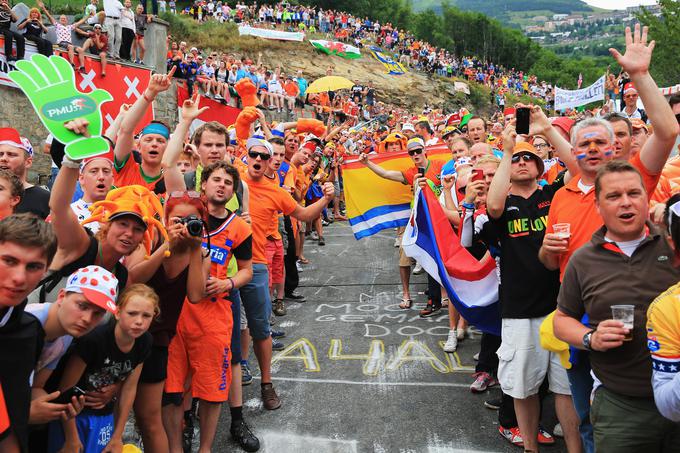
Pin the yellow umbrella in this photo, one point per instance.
(329, 83)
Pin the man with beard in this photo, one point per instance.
(16, 156)
(267, 200)
(152, 141)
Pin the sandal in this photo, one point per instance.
(406, 304)
(303, 260)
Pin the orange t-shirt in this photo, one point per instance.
(669, 183)
(212, 315)
(129, 172)
(273, 230)
(292, 89)
(266, 201)
(570, 205)
(433, 172)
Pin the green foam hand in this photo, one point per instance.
(50, 85)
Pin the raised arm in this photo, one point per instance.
(498, 189)
(174, 181)
(636, 62)
(157, 84)
(540, 125)
(41, 5)
(112, 131)
(392, 175)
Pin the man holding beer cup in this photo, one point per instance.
(618, 274)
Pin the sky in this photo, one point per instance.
(618, 4)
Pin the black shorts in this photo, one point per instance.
(155, 367)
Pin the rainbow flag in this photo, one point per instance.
(374, 203)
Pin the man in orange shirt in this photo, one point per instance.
(593, 144)
(152, 142)
(292, 90)
(266, 200)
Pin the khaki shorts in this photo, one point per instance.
(404, 261)
(523, 364)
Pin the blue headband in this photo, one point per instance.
(156, 128)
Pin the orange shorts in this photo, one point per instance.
(274, 252)
(206, 359)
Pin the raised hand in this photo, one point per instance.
(310, 125)
(248, 92)
(638, 54)
(538, 121)
(50, 85)
(509, 137)
(190, 110)
(243, 122)
(160, 82)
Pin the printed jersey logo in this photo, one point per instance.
(68, 109)
(653, 344)
(524, 226)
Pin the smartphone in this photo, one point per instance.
(477, 174)
(421, 171)
(522, 124)
(65, 396)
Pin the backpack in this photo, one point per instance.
(56, 280)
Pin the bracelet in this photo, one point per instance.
(468, 205)
(232, 284)
(145, 98)
(68, 163)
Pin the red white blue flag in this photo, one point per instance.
(472, 285)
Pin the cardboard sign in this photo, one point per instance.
(50, 85)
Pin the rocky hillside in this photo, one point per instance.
(412, 90)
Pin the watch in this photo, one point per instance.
(586, 340)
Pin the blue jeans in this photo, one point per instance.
(581, 383)
(257, 302)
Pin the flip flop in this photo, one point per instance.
(406, 304)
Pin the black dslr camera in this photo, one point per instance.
(194, 224)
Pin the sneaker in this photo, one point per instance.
(430, 310)
(494, 404)
(418, 269)
(270, 399)
(512, 435)
(246, 375)
(557, 430)
(322, 241)
(295, 297)
(483, 381)
(445, 301)
(298, 265)
(544, 437)
(278, 307)
(315, 236)
(397, 242)
(278, 334)
(451, 342)
(476, 357)
(242, 434)
(277, 345)
(325, 222)
(461, 334)
(188, 434)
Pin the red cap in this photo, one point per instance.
(509, 111)
(629, 87)
(453, 119)
(9, 136)
(563, 123)
(108, 156)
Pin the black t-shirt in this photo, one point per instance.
(244, 251)
(106, 364)
(5, 19)
(32, 28)
(357, 91)
(528, 289)
(35, 200)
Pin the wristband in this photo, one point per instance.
(68, 163)
(468, 205)
(146, 98)
(232, 284)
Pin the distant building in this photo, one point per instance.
(560, 16)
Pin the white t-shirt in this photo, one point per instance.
(82, 211)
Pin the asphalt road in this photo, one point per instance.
(361, 375)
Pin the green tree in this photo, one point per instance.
(665, 30)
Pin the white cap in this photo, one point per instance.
(98, 285)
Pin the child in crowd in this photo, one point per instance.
(138, 47)
(63, 30)
(11, 191)
(112, 353)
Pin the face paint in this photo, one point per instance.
(581, 156)
(590, 135)
(608, 152)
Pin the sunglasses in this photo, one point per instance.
(541, 145)
(184, 193)
(413, 152)
(524, 157)
(255, 155)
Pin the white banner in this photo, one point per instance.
(268, 33)
(566, 99)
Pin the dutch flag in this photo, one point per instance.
(472, 285)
